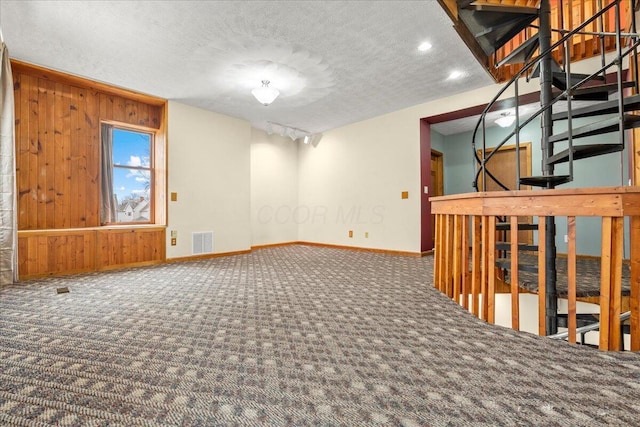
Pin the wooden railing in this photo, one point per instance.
(465, 251)
(574, 12)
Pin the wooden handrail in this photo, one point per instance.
(471, 217)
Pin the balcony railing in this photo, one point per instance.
(465, 252)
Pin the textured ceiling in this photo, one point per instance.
(334, 62)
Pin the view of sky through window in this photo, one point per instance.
(131, 149)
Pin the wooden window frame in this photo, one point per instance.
(158, 179)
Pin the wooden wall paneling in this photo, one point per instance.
(131, 111)
(67, 197)
(22, 150)
(106, 107)
(58, 170)
(92, 151)
(59, 252)
(48, 89)
(58, 167)
(76, 177)
(119, 248)
(33, 167)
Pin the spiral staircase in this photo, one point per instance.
(611, 89)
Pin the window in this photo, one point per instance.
(127, 175)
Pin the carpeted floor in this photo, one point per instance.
(295, 336)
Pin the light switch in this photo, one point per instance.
(174, 197)
(405, 194)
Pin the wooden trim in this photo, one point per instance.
(61, 231)
(274, 245)
(22, 67)
(206, 256)
(356, 248)
(598, 201)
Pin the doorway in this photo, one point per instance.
(503, 166)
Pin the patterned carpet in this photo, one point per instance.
(587, 273)
(289, 336)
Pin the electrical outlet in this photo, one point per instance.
(350, 233)
(173, 241)
(366, 234)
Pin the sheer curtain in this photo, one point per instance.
(8, 198)
(108, 208)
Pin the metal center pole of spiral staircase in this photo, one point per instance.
(548, 169)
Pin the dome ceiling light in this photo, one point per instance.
(265, 94)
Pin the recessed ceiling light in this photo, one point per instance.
(424, 46)
(456, 74)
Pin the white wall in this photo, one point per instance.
(275, 212)
(354, 178)
(209, 168)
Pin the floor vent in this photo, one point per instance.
(202, 243)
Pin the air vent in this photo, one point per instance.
(202, 242)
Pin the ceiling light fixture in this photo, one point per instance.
(265, 94)
(455, 74)
(293, 133)
(505, 120)
(424, 46)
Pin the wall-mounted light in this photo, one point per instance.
(265, 94)
(505, 120)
